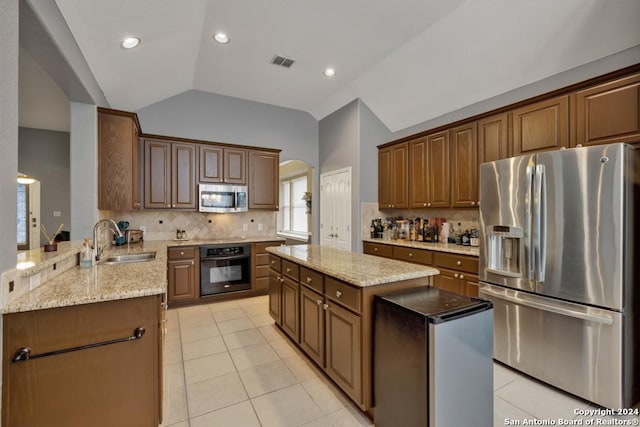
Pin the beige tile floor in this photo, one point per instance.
(226, 364)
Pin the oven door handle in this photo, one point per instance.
(223, 258)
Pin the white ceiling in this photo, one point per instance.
(408, 60)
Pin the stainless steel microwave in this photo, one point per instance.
(222, 198)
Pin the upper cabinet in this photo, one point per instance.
(541, 126)
(609, 112)
(393, 188)
(118, 161)
(443, 165)
(170, 174)
(493, 138)
(464, 166)
(223, 165)
(264, 176)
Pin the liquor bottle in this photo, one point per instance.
(412, 231)
(372, 229)
(420, 236)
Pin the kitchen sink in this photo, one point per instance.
(127, 258)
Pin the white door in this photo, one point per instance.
(335, 209)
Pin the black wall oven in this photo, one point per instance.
(224, 268)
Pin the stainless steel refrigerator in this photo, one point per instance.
(559, 260)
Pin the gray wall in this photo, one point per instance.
(210, 117)
(44, 154)
(84, 169)
(8, 131)
(349, 137)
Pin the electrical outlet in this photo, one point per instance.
(259, 227)
(245, 227)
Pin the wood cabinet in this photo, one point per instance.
(418, 173)
(609, 112)
(393, 177)
(222, 165)
(260, 266)
(290, 308)
(112, 385)
(264, 173)
(464, 166)
(183, 274)
(312, 334)
(275, 296)
(541, 126)
(493, 138)
(438, 167)
(458, 273)
(377, 249)
(119, 181)
(170, 175)
(343, 361)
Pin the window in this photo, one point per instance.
(292, 217)
(23, 216)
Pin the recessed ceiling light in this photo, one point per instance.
(221, 38)
(329, 72)
(130, 42)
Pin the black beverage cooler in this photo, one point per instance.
(432, 359)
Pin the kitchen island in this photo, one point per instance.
(322, 298)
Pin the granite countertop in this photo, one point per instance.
(102, 282)
(441, 247)
(354, 268)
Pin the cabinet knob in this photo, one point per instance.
(273, 262)
(429, 204)
(319, 301)
(288, 270)
(393, 206)
(478, 203)
(181, 252)
(308, 279)
(375, 249)
(280, 279)
(458, 262)
(338, 294)
(462, 276)
(455, 275)
(410, 254)
(424, 204)
(137, 204)
(169, 205)
(473, 203)
(192, 262)
(325, 306)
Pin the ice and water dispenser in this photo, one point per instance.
(505, 249)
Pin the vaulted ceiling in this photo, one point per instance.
(408, 60)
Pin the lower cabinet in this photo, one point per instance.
(183, 275)
(312, 324)
(331, 321)
(344, 349)
(118, 384)
(458, 273)
(290, 308)
(260, 266)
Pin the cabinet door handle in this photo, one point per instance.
(325, 306)
(181, 252)
(410, 254)
(308, 279)
(424, 204)
(338, 294)
(429, 204)
(288, 270)
(281, 279)
(273, 262)
(458, 262)
(462, 276)
(473, 203)
(193, 262)
(319, 302)
(455, 275)
(375, 249)
(24, 353)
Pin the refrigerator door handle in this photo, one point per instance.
(607, 320)
(527, 226)
(540, 222)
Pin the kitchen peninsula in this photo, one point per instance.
(322, 298)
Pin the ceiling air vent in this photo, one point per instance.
(282, 61)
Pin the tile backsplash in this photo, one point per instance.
(468, 218)
(162, 225)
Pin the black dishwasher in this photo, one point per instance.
(432, 359)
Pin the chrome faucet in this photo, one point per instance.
(115, 230)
